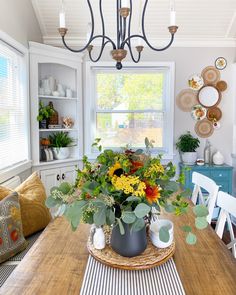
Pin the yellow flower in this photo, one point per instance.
(154, 169)
(112, 169)
(129, 185)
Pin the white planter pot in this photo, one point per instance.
(189, 158)
(154, 233)
(61, 153)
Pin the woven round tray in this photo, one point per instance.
(151, 257)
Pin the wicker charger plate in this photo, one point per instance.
(151, 257)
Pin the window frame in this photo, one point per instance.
(90, 101)
(20, 167)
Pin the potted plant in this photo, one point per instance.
(60, 142)
(45, 112)
(124, 190)
(187, 145)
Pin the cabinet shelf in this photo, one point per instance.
(58, 129)
(44, 163)
(57, 97)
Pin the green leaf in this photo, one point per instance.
(138, 224)
(54, 188)
(141, 210)
(169, 208)
(133, 199)
(172, 186)
(186, 228)
(100, 216)
(64, 187)
(164, 234)
(128, 217)
(147, 142)
(200, 210)
(51, 202)
(122, 230)
(201, 222)
(138, 152)
(73, 214)
(186, 193)
(110, 217)
(191, 239)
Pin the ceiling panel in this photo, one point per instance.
(197, 20)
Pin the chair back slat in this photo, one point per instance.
(200, 182)
(227, 203)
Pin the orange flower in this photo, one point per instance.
(152, 193)
(135, 166)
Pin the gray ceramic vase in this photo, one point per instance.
(131, 243)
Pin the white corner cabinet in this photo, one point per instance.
(65, 68)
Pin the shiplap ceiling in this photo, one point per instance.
(201, 22)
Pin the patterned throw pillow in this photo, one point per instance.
(12, 240)
(34, 213)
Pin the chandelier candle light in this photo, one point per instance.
(123, 36)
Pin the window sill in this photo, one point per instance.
(14, 170)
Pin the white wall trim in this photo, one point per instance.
(14, 170)
(39, 17)
(48, 50)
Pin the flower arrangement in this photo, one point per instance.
(123, 187)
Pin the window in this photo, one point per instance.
(126, 106)
(14, 148)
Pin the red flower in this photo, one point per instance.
(1, 241)
(152, 193)
(135, 166)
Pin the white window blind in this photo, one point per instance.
(13, 107)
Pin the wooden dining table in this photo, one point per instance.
(56, 263)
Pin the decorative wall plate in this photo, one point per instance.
(186, 99)
(198, 112)
(220, 63)
(204, 128)
(216, 125)
(195, 82)
(214, 114)
(209, 96)
(211, 75)
(221, 85)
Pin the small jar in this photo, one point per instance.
(99, 241)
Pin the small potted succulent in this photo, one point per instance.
(187, 145)
(60, 143)
(45, 112)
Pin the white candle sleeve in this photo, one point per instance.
(62, 21)
(172, 18)
(124, 3)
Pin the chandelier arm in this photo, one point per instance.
(91, 35)
(102, 20)
(124, 30)
(145, 37)
(118, 23)
(130, 17)
(100, 53)
(121, 25)
(132, 55)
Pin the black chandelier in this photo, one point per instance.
(123, 36)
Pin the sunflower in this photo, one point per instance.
(114, 169)
(152, 193)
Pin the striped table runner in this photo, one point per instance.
(100, 279)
